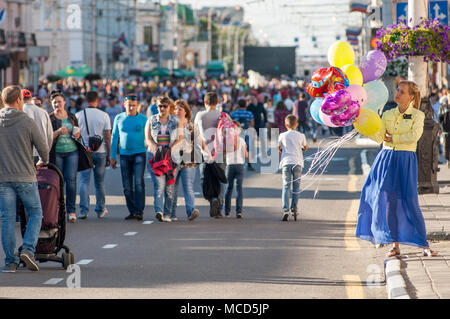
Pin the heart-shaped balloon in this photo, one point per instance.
(336, 103)
(348, 117)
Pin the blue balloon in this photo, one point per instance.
(314, 110)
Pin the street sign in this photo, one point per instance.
(437, 9)
(402, 12)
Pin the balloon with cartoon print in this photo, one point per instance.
(327, 80)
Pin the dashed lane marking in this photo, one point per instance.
(84, 261)
(53, 281)
(109, 246)
(131, 233)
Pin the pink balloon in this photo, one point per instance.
(358, 94)
(336, 102)
(326, 119)
(348, 117)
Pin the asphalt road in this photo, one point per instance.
(255, 257)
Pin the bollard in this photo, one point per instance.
(428, 152)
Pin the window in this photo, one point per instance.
(148, 36)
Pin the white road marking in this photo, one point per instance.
(53, 281)
(84, 261)
(109, 246)
(131, 233)
(147, 222)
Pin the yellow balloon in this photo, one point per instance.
(353, 73)
(341, 53)
(368, 122)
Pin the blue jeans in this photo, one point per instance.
(187, 176)
(222, 186)
(99, 170)
(234, 172)
(291, 175)
(29, 195)
(132, 168)
(150, 170)
(163, 196)
(68, 165)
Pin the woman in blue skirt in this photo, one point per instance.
(389, 210)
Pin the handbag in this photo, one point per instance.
(85, 160)
(94, 142)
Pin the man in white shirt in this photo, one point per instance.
(41, 118)
(98, 123)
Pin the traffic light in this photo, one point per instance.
(373, 38)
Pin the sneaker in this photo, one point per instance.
(159, 216)
(219, 215)
(227, 215)
(214, 208)
(285, 216)
(167, 219)
(10, 268)
(139, 217)
(82, 216)
(105, 212)
(72, 218)
(194, 215)
(131, 216)
(174, 219)
(239, 215)
(28, 258)
(294, 213)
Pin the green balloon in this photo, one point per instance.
(377, 95)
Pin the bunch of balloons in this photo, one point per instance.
(349, 95)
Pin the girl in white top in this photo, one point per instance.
(235, 171)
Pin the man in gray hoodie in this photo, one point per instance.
(18, 135)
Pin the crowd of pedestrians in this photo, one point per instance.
(167, 128)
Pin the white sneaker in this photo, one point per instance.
(167, 219)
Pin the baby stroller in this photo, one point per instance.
(53, 230)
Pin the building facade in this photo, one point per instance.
(87, 32)
(16, 34)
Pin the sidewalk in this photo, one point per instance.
(425, 277)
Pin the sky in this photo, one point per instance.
(280, 22)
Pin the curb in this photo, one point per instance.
(395, 283)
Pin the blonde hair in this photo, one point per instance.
(413, 89)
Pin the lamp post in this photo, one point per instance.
(417, 68)
(210, 11)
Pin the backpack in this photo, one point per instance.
(225, 134)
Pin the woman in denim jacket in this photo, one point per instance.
(161, 130)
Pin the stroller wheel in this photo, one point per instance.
(66, 260)
(72, 258)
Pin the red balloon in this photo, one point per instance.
(327, 80)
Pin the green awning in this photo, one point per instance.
(161, 72)
(71, 71)
(182, 73)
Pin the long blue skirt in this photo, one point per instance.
(389, 209)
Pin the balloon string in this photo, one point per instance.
(321, 160)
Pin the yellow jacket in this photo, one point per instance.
(406, 129)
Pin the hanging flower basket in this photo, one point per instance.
(429, 39)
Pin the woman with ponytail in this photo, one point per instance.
(389, 211)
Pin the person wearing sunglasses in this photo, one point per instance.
(162, 134)
(128, 128)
